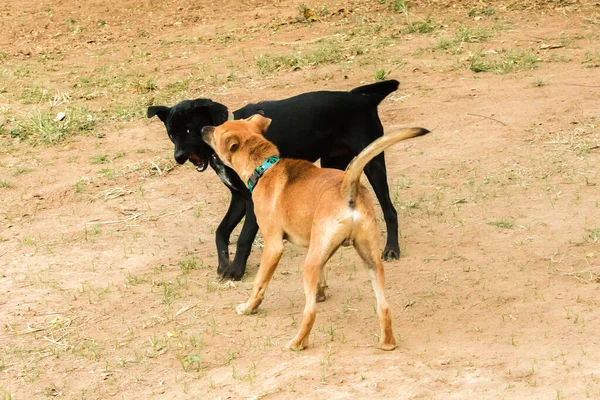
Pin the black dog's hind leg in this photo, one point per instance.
(237, 209)
(377, 175)
(244, 244)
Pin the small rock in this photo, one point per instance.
(60, 116)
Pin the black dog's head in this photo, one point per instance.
(184, 121)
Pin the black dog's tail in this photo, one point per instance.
(377, 91)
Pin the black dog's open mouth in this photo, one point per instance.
(200, 162)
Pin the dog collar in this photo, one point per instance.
(259, 171)
(230, 116)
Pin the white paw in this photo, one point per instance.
(241, 309)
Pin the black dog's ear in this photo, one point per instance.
(218, 112)
(161, 111)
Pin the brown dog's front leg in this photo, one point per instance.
(268, 262)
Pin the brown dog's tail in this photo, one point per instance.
(356, 166)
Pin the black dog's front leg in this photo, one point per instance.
(237, 209)
(244, 245)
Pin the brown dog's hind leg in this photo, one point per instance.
(368, 249)
(268, 262)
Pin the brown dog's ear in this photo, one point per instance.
(260, 121)
(231, 143)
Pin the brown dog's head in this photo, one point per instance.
(239, 143)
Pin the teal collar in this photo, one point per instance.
(259, 171)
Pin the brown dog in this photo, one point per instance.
(318, 208)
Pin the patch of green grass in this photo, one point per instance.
(559, 58)
(100, 159)
(504, 62)
(190, 263)
(328, 52)
(539, 82)
(109, 173)
(225, 38)
(421, 27)
(380, 75)
(469, 34)
(79, 186)
(399, 6)
(486, 11)
(593, 234)
(479, 63)
(34, 95)
(20, 170)
(145, 86)
(503, 223)
(45, 127)
(592, 60)
(5, 184)
(449, 45)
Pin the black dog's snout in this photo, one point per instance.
(180, 156)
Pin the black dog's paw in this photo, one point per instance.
(230, 273)
(390, 254)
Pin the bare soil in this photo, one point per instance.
(108, 285)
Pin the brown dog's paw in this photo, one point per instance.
(242, 309)
(387, 346)
(297, 345)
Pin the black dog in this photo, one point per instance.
(331, 126)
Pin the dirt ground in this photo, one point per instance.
(108, 285)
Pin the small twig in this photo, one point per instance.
(579, 84)
(29, 329)
(574, 335)
(308, 41)
(55, 341)
(137, 215)
(118, 221)
(184, 309)
(486, 117)
(471, 306)
(167, 214)
(114, 193)
(591, 269)
(264, 394)
(156, 166)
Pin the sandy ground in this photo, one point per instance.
(108, 285)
